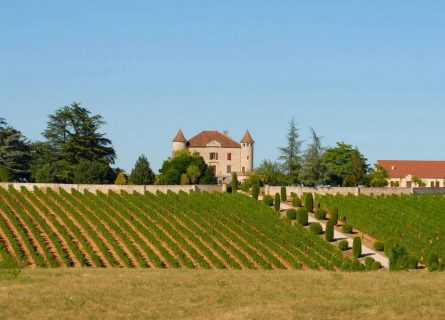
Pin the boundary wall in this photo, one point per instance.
(105, 188)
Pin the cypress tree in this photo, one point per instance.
(309, 202)
(302, 217)
(333, 215)
(357, 247)
(255, 191)
(329, 232)
(234, 182)
(277, 202)
(283, 194)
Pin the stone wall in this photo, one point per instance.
(106, 188)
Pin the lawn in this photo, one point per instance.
(219, 294)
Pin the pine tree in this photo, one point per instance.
(142, 173)
(313, 170)
(291, 154)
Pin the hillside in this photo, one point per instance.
(415, 220)
(197, 230)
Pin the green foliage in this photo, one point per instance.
(283, 194)
(291, 214)
(333, 215)
(418, 182)
(398, 258)
(317, 203)
(268, 200)
(357, 247)
(10, 268)
(309, 202)
(245, 187)
(142, 174)
(183, 162)
(193, 173)
(376, 265)
(121, 179)
(344, 161)
(347, 228)
(74, 151)
(433, 262)
(277, 202)
(256, 191)
(369, 262)
(389, 244)
(313, 170)
(378, 177)
(320, 214)
(15, 154)
(291, 154)
(270, 173)
(235, 182)
(185, 179)
(343, 245)
(316, 228)
(379, 246)
(302, 217)
(413, 262)
(296, 201)
(329, 232)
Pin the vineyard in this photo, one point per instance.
(197, 230)
(417, 221)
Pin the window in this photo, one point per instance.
(229, 156)
(213, 156)
(229, 169)
(248, 157)
(437, 184)
(432, 184)
(409, 184)
(244, 169)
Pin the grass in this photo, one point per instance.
(220, 294)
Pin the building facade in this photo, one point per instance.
(402, 172)
(220, 152)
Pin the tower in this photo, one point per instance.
(179, 142)
(247, 143)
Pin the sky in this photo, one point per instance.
(369, 73)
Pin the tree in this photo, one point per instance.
(269, 173)
(418, 182)
(121, 179)
(378, 177)
(283, 194)
(277, 202)
(142, 174)
(256, 191)
(15, 154)
(313, 170)
(291, 154)
(329, 232)
(180, 163)
(344, 161)
(193, 173)
(234, 182)
(184, 179)
(73, 143)
(357, 247)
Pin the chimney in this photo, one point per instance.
(226, 133)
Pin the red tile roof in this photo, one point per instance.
(421, 169)
(205, 137)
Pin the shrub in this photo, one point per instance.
(379, 246)
(184, 179)
(433, 262)
(369, 262)
(309, 202)
(234, 182)
(317, 201)
(320, 214)
(296, 201)
(228, 188)
(277, 202)
(333, 215)
(255, 191)
(316, 228)
(293, 194)
(268, 200)
(343, 245)
(291, 214)
(302, 217)
(398, 258)
(283, 194)
(121, 179)
(347, 228)
(376, 266)
(10, 268)
(389, 244)
(245, 187)
(357, 247)
(329, 232)
(413, 262)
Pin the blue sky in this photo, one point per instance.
(370, 73)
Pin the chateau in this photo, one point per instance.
(221, 153)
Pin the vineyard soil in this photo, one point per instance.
(221, 294)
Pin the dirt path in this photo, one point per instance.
(366, 250)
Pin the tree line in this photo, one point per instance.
(341, 165)
(74, 150)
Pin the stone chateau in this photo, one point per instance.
(221, 153)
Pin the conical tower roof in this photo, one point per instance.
(247, 138)
(180, 137)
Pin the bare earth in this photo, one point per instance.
(220, 294)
